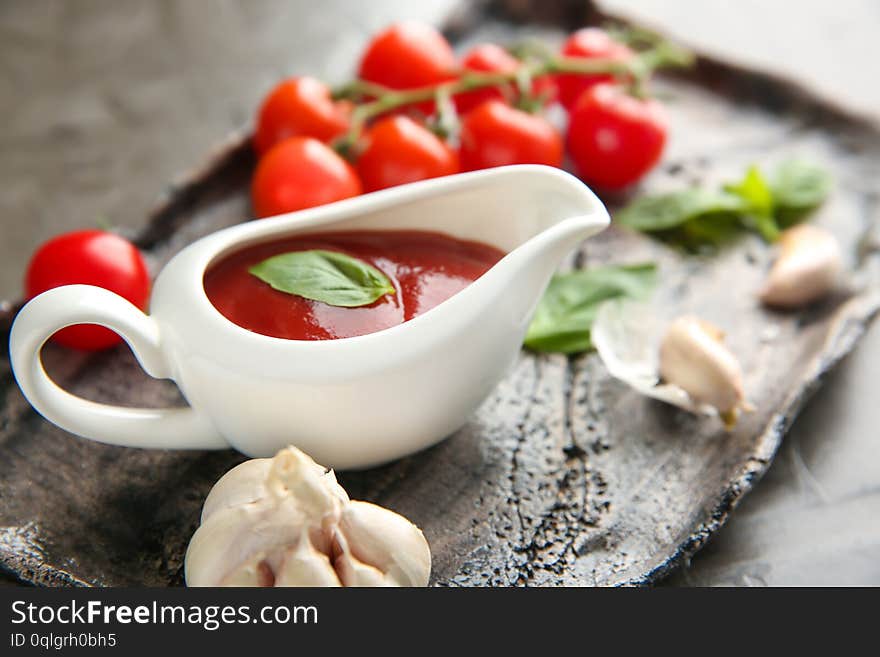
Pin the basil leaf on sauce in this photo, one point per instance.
(327, 276)
(566, 311)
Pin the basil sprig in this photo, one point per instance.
(566, 311)
(327, 276)
(696, 216)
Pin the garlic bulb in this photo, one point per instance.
(684, 364)
(285, 521)
(808, 267)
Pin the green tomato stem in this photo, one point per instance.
(634, 71)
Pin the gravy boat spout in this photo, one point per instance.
(527, 269)
(349, 403)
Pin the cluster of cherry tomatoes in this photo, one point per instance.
(613, 137)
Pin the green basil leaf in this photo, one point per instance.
(758, 201)
(707, 233)
(327, 276)
(566, 311)
(674, 209)
(754, 190)
(798, 187)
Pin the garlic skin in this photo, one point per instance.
(285, 521)
(693, 357)
(243, 484)
(808, 267)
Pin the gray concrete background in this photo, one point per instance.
(103, 102)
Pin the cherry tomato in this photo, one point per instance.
(615, 139)
(490, 58)
(588, 43)
(408, 55)
(298, 107)
(89, 257)
(544, 87)
(299, 173)
(398, 150)
(496, 134)
(485, 58)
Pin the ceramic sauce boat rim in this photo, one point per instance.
(215, 246)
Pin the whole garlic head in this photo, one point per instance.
(285, 521)
(808, 267)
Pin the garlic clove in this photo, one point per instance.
(388, 541)
(352, 571)
(684, 364)
(627, 335)
(354, 574)
(230, 538)
(254, 572)
(243, 484)
(694, 357)
(306, 566)
(808, 267)
(208, 560)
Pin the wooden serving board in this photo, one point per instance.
(564, 476)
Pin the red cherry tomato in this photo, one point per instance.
(490, 58)
(299, 173)
(544, 87)
(588, 43)
(496, 134)
(615, 139)
(485, 58)
(89, 257)
(408, 55)
(298, 107)
(398, 150)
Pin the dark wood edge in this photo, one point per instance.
(852, 321)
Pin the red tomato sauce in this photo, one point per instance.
(426, 268)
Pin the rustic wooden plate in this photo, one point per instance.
(564, 476)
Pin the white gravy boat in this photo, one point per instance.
(349, 403)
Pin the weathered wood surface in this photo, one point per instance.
(564, 476)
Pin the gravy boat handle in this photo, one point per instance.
(169, 428)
